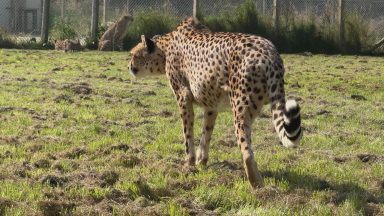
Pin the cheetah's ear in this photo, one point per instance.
(148, 43)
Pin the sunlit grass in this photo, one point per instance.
(118, 150)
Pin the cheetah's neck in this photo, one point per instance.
(163, 42)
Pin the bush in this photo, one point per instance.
(62, 30)
(5, 41)
(244, 19)
(148, 24)
(305, 36)
(299, 36)
(356, 33)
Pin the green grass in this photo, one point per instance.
(116, 148)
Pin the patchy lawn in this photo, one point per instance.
(79, 135)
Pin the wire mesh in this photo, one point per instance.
(23, 17)
(20, 17)
(73, 13)
(369, 13)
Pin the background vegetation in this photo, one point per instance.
(297, 33)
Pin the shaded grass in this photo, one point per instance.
(117, 147)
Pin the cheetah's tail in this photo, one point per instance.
(287, 123)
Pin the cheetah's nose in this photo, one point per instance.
(134, 70)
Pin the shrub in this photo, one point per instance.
(297, 36)
(244, 19)
(62, 30)
(356, 33)
(148, 24)
(305, 36)
(5, 41)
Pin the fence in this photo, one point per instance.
(24, 17)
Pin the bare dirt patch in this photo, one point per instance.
(193, 208)
(127, 161)
(109, 178)
(225, 166)
(166, 114)
(366, 158)
(5, 203)
(137, 124)
(358, 97)
(42, 163)
(14, 140)
(75, 152)
(371, 209)
(121, 147)
(63, 98)
(121, 197)
(134, 101)
(226, 143)
(56, 207)
(149, 93)
(82, 88)
(53, 180)
(340, 159)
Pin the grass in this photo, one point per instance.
(79, 135)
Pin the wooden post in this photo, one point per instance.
(45, 21)
(105, 9)
(276, 14)
(95, 19)
(195, 8)
(264, 9)
(341, 14)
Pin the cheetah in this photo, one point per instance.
(112, 39)
(60, 44)
(214, 68)
(68, 45)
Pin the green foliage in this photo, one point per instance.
(298, 37)
(305, 36)
(244, 19)
(62, 30)
(5, 41)
(148, 24)
(356, 33)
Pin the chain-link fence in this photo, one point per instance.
(24, 17)
(20, 16)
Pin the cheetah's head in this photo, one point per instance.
(147, 59)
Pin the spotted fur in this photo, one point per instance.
(68, 45)
(211, 69)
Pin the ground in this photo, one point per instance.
(78, 135)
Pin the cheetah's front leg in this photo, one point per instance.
(208, 125)
(185, 102)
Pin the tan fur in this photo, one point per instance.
(112, 39)
(68, 45)
(208, 68)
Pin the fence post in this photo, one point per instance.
(45, 21)
(105, 9)
(264, 12)
(62, 9)
(276, 15)
(95, 19)
(341, 14)
(195, 8)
